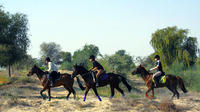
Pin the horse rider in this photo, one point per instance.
(52, 69)
(96, 67)
(159, 69)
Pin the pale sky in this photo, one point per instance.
(109, 24)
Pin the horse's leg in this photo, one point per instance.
(95, 91)
(44, 88)
(49, 93)
(68, 91)
(177, 94)
(120, 90)
(73, 91)
(171, 91)
(112, 91)
(147, 92)
(152, 90)
(86, 92)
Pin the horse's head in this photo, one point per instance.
(33, 70)
(140, 69)
(77, 70)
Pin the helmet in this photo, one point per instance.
(92, 57)
(47, 59)
(157, 56)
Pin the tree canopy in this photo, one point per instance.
(173, 44)
(51, 50)
(14, 39)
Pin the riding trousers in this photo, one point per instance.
(156, 75)
(99, 72)
(52, 76)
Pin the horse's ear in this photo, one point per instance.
(34, 65)
(140, 65)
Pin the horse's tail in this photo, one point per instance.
(125, 83)
(181, 84)
(80, 84)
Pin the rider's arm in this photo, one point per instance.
(49, 66)
(94, 69)
(154, 68)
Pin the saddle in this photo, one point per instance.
(161, 79)
(57, 77)
(102, 77)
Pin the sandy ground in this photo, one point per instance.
(27, 99)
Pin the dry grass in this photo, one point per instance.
(168, 106)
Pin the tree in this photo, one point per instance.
(121, 62)
(82, 55)
(14, 39)
(66, 56)
(26, 63)
(173, 44)
(66, 60)
(51, 50)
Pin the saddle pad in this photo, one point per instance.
(105, 77)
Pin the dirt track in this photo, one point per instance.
(26, 98)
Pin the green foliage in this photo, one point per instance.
(82, 55)
(66, 66)
(66, 61)
(25, 64)
(66, 56)
(14, 39)
(173, 44)
(51, 50)
(190, 75)
(120, 62)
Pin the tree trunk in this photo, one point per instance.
(9, 74)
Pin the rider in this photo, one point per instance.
(52, 69)
(96, 67)
(159, 69)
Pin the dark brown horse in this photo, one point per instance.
(171, 82)
(112, 79)
(65, 81)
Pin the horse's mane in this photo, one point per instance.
(146, 71)
(39, 70)
(82, 67)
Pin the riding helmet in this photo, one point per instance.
(47, 59)
(157, 56)
(92, 57)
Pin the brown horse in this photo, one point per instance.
(171, 82)
(65, 81)
(112, 79)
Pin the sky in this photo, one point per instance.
(109, 24)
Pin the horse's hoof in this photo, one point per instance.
(147, 96)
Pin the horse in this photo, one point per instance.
(171, 82)
(65, 80)
(112, 79)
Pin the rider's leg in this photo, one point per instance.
(155, 77)
(97, 76)
(53, 74)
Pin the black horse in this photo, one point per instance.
(110, 78)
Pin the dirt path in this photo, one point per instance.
(26, 98)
